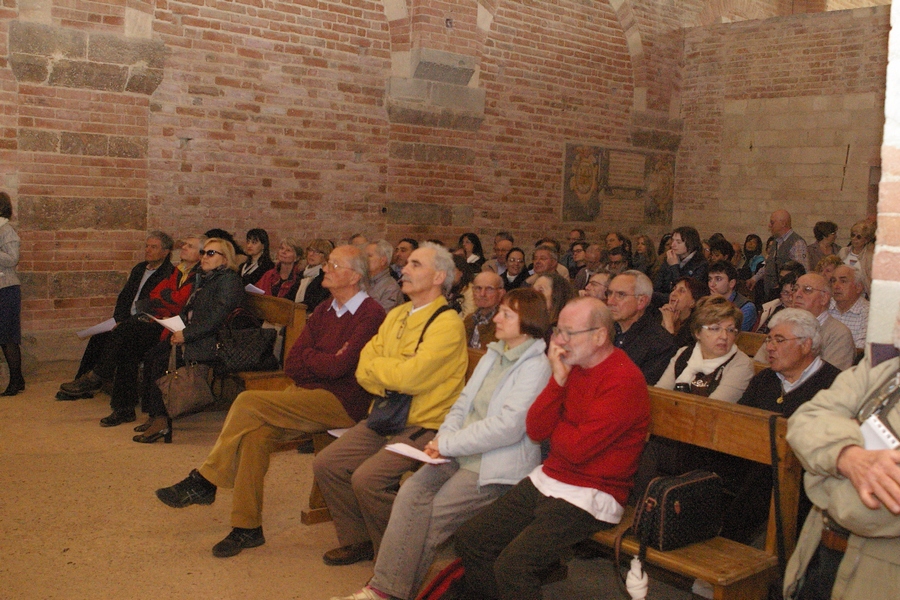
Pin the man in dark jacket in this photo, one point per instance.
(143, 278)
(638, 330)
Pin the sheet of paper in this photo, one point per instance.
(338, 432)
(253, 290)
(103, 327)
(407, 450)
(172, 323)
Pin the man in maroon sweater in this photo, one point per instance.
(595, 411)
(324, 395)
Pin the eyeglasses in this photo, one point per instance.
(333, 266)
(487, 289)
(211, 252)
(717, 329)
(856, 236)
(808, 289)
(515, 260)
(779, 340)
(788, 291)
(566, 336)
(596, 284)
(313, 251)
(619, 295)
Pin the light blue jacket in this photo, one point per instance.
(507, 454)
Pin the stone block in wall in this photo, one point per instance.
(439, 65)
(35, 285)
(416, 213)
(37, 140)
(49, 214)
(105, 48)
(655, 130)
(432, 153)
(95, 76)
(143, 81)
(89, 144)
(80, 284)
(434, 104)
(127, 147)
(44, 40)
(29, 69)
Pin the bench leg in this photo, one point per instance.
(755, 587)
(317, 511)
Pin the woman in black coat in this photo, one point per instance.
(217, 292)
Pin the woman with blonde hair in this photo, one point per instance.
(308, 289)
(217, 292)
(281, 279)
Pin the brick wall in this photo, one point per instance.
(783, 113)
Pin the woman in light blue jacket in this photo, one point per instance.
(484, 438)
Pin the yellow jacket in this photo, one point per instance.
(434, 375)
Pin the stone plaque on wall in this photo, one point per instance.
(600, 180)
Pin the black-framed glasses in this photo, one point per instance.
(565, 336)
(212, 252)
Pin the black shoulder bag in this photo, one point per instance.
(391, 411)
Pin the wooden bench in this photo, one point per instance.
(749, 343)
(318, 511)
(734, 570)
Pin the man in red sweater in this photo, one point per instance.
(595, 411)
(324, 395)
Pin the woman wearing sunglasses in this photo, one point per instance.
(217, 292)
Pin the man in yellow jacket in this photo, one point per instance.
(357, 476)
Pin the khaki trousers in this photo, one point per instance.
(257, 421)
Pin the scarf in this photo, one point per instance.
(480, 320)
(309, 273)
(704, 366)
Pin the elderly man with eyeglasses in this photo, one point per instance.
(796, 373)
(638, 330)
(488, 291)
(595, 412)
(813, 294)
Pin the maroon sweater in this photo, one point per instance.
(597, 425)
(312, 363)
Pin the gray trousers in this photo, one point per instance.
(429, 507)
(359, 480)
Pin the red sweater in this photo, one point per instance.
(597, 425)
(312, 363)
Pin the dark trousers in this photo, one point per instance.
(93, 352)
(505, 546)
(121, 359)
(820, 574)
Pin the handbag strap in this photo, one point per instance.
(430, 320)
(776, 489)
(173, 359)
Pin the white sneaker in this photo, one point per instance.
(365, 593)
(704, 589)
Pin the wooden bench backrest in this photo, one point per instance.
(749, 343)
(279, 311)
(736, 430)
(474, 356)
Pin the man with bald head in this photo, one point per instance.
(595, 412)
(814, 294)
(488, 291)
(848, 305)
(788, 246)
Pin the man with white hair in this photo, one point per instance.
(848, 305)
(419, 350)
(813, 294)
(846, 439)
(382, 287)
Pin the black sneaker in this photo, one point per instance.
(237, 540)
(193, 489)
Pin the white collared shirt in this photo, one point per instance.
(351, 306)
(808, 372)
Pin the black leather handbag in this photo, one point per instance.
(390, 412)
(243, 344)
(677, 511)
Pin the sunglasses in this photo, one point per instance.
(211, 252)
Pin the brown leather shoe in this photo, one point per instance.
(347, 555)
